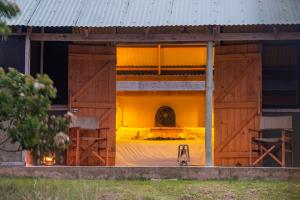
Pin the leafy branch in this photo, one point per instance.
(8, 10)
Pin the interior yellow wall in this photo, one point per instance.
(139, 111)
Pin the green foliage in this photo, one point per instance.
(24, 105)
(8, 10)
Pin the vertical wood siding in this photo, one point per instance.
(237, 102)
(92, 90)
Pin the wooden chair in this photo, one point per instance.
(269, 146)
(92, 145)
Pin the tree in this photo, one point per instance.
(8, 10)
(24, 105)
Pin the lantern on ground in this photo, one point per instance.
(183, 156)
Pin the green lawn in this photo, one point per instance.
(44, 189)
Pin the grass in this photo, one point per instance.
(51, 189)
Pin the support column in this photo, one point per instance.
(209, 104)
(159, 59)
(27, 54)
(26, 71)
(42, 55)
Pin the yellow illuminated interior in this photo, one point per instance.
(163, 56)
(140, 110)
(135, 118)
(136, 115)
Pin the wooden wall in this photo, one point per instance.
(237, 100)
(92, 90)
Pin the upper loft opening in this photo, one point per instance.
(161, 59)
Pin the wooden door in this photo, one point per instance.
(92, 93)
(237, 99)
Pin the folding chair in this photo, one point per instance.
(269, 146)
(92, 144)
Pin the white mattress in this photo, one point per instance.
(157, 153)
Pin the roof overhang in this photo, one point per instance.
(155, 13)
(181, 21)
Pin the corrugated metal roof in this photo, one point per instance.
(57, 13)
(150, 13)
(27, 8)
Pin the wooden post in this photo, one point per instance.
(283, 148)
(77, 161)
(27, 54)
(107, 148)
(209, 107)
(159, 59)
(250, 148)
(42, 55)
(26, 71)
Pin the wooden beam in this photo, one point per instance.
(93, 105)
(209, 105)
(178, 37)
(235, 105)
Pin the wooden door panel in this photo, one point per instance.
(92, 91)
(237, 102)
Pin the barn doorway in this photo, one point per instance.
(125, 87)
(160, 103)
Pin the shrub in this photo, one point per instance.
(24, 105)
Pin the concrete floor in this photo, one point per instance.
(198, 173)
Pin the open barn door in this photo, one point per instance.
(92, 93)
(237, 102)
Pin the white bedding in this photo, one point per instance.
(157, 152)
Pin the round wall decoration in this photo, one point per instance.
(165, 117)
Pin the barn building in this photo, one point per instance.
(159, 73)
